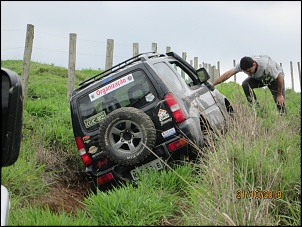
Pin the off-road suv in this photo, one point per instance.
(146, 111)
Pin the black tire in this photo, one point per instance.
(123, 133)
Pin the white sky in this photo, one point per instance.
(212, 31)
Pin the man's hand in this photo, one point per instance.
(280, 100)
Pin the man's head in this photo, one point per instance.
(248, 65)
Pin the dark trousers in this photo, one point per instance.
(250, 83)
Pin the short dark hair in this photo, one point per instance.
(246, 63)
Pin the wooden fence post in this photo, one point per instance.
(211, 72)
(216, 73)
(205, 65)
(154, 47)
(196, 63)
(234, 64)
(109, 54)
(299, 72)
(282, 69)
(135, 49)
(184, 56)
(292, 74)
(26, 60)
(71, 64)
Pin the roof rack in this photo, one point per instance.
(117, 67)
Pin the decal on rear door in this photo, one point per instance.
(95, 119)
(162, 115)
(111, 87)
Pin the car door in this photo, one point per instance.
(201, 96)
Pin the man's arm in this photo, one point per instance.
(224, 77)
(280, 99)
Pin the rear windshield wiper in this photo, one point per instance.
(140, 98)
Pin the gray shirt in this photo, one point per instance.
(267, 71)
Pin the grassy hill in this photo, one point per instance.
(260, 155)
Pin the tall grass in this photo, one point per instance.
(261, 151)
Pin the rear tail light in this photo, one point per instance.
(84, 155)
(105, 178)
(86, 159)
(176, 109)
(177, 144)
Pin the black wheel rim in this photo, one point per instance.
(126, 137)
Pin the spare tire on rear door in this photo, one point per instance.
(123, 133)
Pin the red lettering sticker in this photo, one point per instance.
(111, 87)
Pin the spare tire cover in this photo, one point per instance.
(123, 133)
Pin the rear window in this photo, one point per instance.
(133, 89)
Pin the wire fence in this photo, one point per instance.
(91, 54)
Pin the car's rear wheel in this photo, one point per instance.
(123, 134)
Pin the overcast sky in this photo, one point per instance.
(212, 31)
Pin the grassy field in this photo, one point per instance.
(249, 176)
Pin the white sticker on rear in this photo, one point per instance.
(111, 87)
(168, 133)
(150, 97)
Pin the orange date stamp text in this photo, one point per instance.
(258, 194)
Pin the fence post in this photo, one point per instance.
(205, 65)
(154, 47)
(299, 72)
(216, 73)
(211, 72)
(234, 64)
(26, 60)
(71, 64)
(109, 54)
(291, 74)
(184, 56)
(135, 49)
(218, 68)
(196, 63)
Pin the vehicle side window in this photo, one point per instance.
(183, 75)
(168, 76)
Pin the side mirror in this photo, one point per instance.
(12, 110)
(202, 74)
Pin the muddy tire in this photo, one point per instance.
(123, 134)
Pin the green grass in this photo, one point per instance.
(261, 151)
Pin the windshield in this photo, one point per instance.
(133, 89)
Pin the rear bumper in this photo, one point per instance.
(189, 130)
